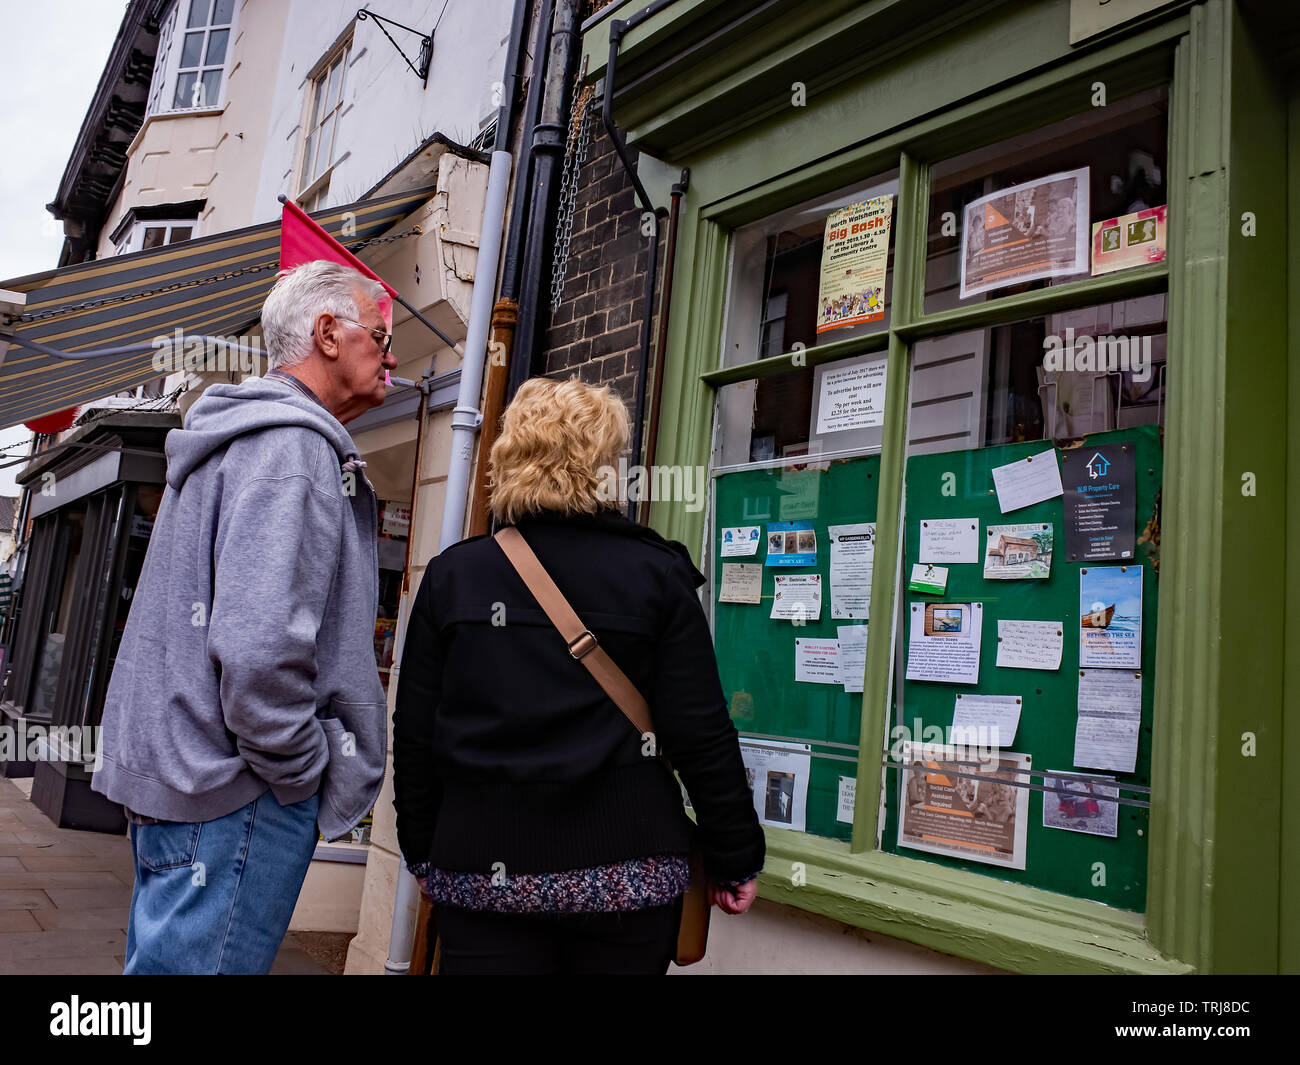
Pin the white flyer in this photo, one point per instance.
(848, 793)
(741, 540)
(778, 779)
(944, 642)
(741, 583)
(1110, 719)
(797, 597)
(817, 661)
(853, 655)
(986, 720)
(1029, 481)
(853, 550)
(850, 397)
(1030, 644)
(949, 540)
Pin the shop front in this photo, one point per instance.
(94, 498)
(979, 329)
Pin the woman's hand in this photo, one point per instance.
(733, 902)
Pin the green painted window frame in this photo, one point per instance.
(1000, 923)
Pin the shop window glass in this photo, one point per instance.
(781, 298)
(58, 615)
(1027, 601)
(1007, 215)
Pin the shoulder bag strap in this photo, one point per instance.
(582, 644)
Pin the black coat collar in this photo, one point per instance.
(615, 521)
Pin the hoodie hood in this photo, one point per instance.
(224, 412)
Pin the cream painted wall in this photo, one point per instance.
(215, 155)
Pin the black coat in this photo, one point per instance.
(505, 748)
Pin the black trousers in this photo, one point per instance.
(635, 943)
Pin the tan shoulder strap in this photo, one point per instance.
(582, 644)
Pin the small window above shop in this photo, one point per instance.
(813, 274)
(1024, 213)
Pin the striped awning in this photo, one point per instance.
(212, 286)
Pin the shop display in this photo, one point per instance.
(1029, 231)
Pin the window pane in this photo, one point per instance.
(199, 12)
(192, 49)
(995, 594)
(180, 233)
(211, 88)
(1038, 225)
(185, 92)
(217, 47)
(155, 237)
(824, 296)
(324, 143)
(308, 159)
(331, 93)
(223, 12)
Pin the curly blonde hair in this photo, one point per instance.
(555, 437)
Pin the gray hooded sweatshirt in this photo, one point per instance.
(247, 662)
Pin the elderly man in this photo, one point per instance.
(245, 705)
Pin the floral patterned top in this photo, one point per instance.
(634, 884)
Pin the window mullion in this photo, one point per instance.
(908, 291)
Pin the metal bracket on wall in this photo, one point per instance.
(426, 43)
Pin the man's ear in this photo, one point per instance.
(328, 335)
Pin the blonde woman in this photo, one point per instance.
(548, 840)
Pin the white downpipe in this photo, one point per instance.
(465, 421)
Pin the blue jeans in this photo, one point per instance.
(215, 897)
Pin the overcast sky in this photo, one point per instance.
(54, 54)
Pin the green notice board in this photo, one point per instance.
(959, 484)
(756, 654)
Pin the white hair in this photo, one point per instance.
(303, 294)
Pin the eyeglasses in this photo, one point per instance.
(384, 340)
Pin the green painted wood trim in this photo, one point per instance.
(1010, 926)
(778, 364)
(1215, 835)
(1289, 879)
(908, 292)
(950, 64)
(1107, 288)
(695, 340)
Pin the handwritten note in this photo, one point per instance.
(1030, 644)
(950, 540)
(741, 583)
(986, 719)
(1031, 480)
(1110, 718)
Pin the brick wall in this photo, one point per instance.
(596, 332)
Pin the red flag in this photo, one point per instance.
(303, 240)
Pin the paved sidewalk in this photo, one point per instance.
(65, 895)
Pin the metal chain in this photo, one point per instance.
(575, 155)
(88, 305)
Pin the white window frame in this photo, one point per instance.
(134, 239)
(171, 43)
(313, 181)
